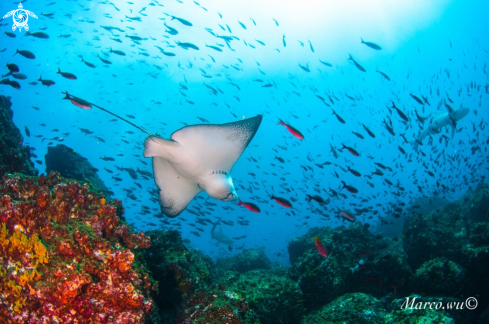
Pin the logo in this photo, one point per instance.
(20, 17)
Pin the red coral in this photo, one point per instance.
(81, 270)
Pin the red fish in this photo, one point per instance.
(347, 215)
(320, 247)
(294, 131)
(83, 104)
(349, 188)
(251, 206)
(68, 75)
(350, 149)
(354, 172)
(282, 201)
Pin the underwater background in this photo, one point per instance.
(360, 80)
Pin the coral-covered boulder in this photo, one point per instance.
(248, 260)
(14, 157)
(346, 269)
(444, 232)
(215, 305)
(417, 309)
(271, 296)
(389, 268)
(350, 308)
(458, 232)
(65, 256)
(72, 165)
(439, 276)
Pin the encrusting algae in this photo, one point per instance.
(17, 277)
(65, 256)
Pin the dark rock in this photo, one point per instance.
(355, 308)
(70, 164)
(324, 279)
(272, 298)
(439, 276)
(180, 270)
(484, 318)
(389, 267)
(445, 231)
(416, 309)
(14, 157)
(459, 233)
(301, 244)
(249, 260)
(214, 305)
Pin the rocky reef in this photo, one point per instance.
(14, 157)
(65, 256)
(71, 165)
(248, 260)
(179, 270)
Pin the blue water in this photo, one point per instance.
(429, 48)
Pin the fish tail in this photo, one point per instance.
(67, 95)
(16, 51)
(309, 199)
(280, 122)
(240, 203)
(59, 71)
(363, 42)
(40, 78)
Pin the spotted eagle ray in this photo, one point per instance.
(196, 158)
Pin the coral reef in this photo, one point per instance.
(301, 244)
(458, 233)
(446, 231)
(439, 276)
(248, 260)
(72, 165)
(350, 308)
(405, 311)
(65, 257)
(215, 306)
(14, 157)
(271, 296)
(356, 263)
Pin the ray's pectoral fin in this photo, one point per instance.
(219, 146)
(155, 146)
(176, 191)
